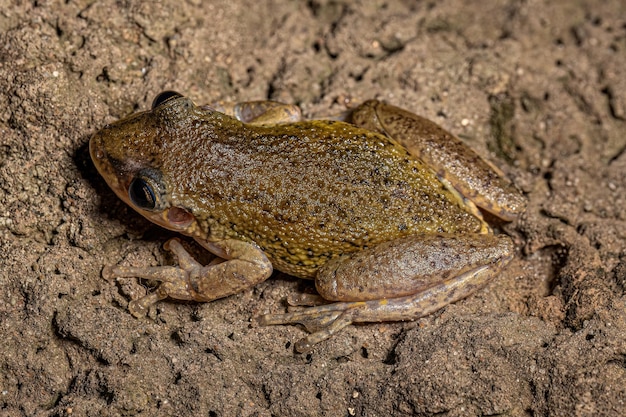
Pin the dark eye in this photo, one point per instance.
(163, 97)
(142, 194)
(147, 190)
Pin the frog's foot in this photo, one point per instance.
(175, 279)
(246, 265)
(326, 320)
(321, 321)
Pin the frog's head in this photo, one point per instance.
(128, 155)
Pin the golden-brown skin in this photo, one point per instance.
(371, 222)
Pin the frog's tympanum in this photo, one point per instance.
(381, 210)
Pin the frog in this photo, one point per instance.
(382, 208)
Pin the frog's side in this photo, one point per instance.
(376, 227)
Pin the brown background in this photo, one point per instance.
(537, 86)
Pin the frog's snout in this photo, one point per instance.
(104, 146)
(102, 159)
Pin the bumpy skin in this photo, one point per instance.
(327, 200)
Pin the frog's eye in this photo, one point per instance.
(163, 97)
(146, 191)
(142, 194)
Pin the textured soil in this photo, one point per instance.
(537, 86)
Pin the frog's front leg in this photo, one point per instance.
(403, 279)
(245, 265)
(260, 112)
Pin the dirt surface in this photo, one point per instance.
(537, 86)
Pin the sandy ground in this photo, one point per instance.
(537, 86)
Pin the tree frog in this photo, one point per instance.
(380, 209)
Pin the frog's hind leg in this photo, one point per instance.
(324, 321)
(447, 155)
(467, 204)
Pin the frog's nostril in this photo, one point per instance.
(95, 148)
(99, 153)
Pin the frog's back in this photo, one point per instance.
(307, 192)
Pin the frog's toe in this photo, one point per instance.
(137, 309)
(338, 322)
(141, 307)
(308, 300)
(313, 321)
(107, 272)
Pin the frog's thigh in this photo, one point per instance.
(409, 265)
